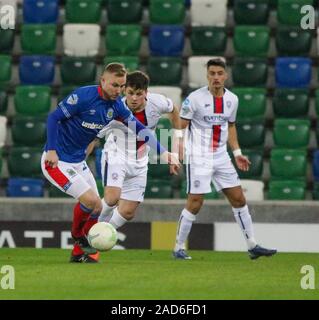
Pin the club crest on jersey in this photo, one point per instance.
(228, 104)
(109, 113)
(73, 99)
(115, 176)
(196, 183)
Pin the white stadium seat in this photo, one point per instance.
(253, 190)
(208, 12)
(81, 40)
(6, 14)
(174, 93)
(197, 70)
(3, 130)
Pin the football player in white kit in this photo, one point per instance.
(209, 114)
(125, 158)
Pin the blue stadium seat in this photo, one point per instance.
(315, 165)
(36, 69)
(39, 11)
(166, 40)
(293, 72)
(25, 187)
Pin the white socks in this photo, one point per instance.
(117, 220)
(183, 229)
(106, 212)
(244, 221)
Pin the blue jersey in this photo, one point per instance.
(81, 116)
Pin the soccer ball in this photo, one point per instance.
(102, 236)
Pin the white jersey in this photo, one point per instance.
(207, 133)
(121, 140)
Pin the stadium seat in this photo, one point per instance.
(253, 190)
(167, 11)
(25, 162)
(78, 71)
(208, 40)
(166, 40)
(36, 70)
(124, 11)
(6, 15)
(81, 40)
(291, 103)
(197, 70)
(288, 11)
(257, 166)
(293, 41)
(29, 131)
(315, 191)
(123, 39)
(5, 69)
(174, 93)
(214, 195)
(317, 101)
(65, 91)
(3, 102)
(38, 38)
(287, 190)
(288, 164)
(208, 12)
(1, 161)
(315, 165)
(25, 188)
(6, 40)
(165, 71)
(251, 41)
(3, 130)
(32, 100)
(39, 11)
(291, 133)
(251, 103)
(293, 72)
(158, 171)
(250, 72)
(251, 134)
(131, 63)
(251, 12)
(83, 11)
(158, 189)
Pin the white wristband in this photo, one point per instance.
(178, 133)
(237, 153)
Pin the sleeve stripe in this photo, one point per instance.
(65, 111)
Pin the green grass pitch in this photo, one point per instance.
(146, 274)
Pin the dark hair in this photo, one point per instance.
(117, 68)
(137, 80)
(216, 62)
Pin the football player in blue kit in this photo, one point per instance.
(71, 127)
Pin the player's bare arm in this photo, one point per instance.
(177, 141)
(242, 161)
(91, 147)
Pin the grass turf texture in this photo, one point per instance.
(145, 274)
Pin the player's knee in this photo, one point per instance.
(91, 201)
(239, 201)
(127, 214)
(194, 204)
(111, 200)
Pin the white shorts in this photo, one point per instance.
(202, 172)
(116, 172)
(72, 178)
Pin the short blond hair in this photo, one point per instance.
(116, 68)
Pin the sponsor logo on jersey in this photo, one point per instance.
(73, 99)
(207, 105)
(92, 112)
(110, 113)
(92, 125)
(218, 118)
